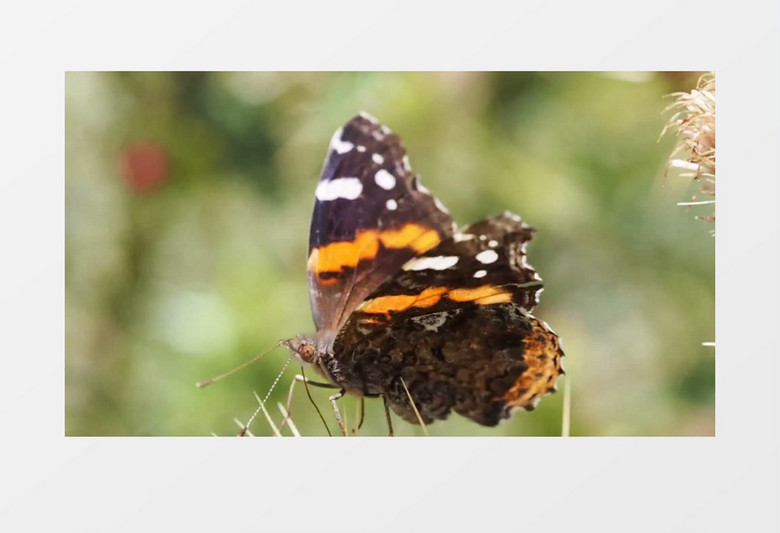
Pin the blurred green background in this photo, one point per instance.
(188, 200)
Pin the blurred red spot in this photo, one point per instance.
(144, 165)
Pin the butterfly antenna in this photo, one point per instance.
(260, 407)
(261, 403)
(207, 382)
(278, 377)
(244, 429)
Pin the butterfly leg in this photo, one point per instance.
(299, 378)
(387, 414)
(362, 406)
(333, 399)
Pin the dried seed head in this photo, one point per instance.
(693, 123)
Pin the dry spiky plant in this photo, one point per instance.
(694, 154)
(694, 125)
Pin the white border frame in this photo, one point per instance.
(725, 483)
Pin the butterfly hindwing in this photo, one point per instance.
(478, 360)
(454, 325)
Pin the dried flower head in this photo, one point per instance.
(694, 125)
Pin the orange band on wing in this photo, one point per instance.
(399, 302)
(485, 295)
(414, 236)
(335, 256)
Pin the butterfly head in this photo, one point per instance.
(303, 348)
(311, 350)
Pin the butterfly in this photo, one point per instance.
(408, 307)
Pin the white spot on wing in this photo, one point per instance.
(341, 147)
(487, 256)
(512, 216)
(384, 179)
(391, 204)
(440, 205)
(405, 160)
(480, 273)
(361, 148)
(369, 117)
(420, 187)
(440, 262)
(493, 243)
(431, 322)
(378, 159)
(460, 237)
(347, 188)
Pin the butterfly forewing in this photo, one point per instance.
(482, 263)
(371, 215)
